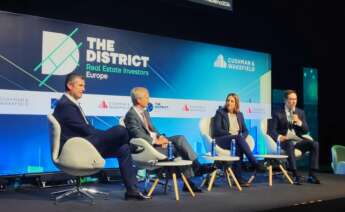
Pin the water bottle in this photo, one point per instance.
(213, 147)
(233, 147)
(170, 151)
(278, 147)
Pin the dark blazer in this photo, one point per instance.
(136, 127)
(71, 121)
(279, 124)
(221, 123)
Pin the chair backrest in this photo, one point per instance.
(338, 154)
(122, 121)
(205, 127)
(78, 157)
(271, 145)
(55, 132)
(206, 131)
(149, 155)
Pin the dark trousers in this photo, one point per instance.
(241, 147)
(114, 142)
(305, 145)
(181, 148)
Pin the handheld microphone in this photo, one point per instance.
(293, 112)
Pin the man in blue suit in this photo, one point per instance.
(288, 126)
(113, 142)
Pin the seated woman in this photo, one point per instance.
(229, 124)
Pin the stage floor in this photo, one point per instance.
(256, 198)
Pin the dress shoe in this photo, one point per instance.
(313, 179)
(136, 195)
(192, 186)
(297, 180)
(136, 149)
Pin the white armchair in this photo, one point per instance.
(271, 145)
(205, 126)
(338, 159)
(78, 158)
(151, 159)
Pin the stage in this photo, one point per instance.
(331, 193)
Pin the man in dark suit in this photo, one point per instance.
(289, 126)
(113, 142)
(139, 125)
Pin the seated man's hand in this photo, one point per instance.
(163, 141)
(283, 138)
(295, 119)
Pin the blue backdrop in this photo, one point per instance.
(36, 54)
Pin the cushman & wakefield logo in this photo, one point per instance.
(234, 63)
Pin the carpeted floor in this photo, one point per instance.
(256, 198)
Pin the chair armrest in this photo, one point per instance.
(149, 153)
(78, 153)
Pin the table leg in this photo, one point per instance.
(270, 175)
(213, 176)
(187, 184)
(228, 177)
(285, 173)
(175, 186)
(153, 187)
(235, 179)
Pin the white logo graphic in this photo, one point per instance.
(220, 62)
(60, 55)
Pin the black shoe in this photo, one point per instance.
(136, 149)
(192, 186)
(136, 195)
(297, 180)
(313, 179)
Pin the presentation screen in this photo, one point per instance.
(187, 81)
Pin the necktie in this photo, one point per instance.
(146, 123)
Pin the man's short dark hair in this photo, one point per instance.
(71, 77)
(288, 92)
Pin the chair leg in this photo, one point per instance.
(252, 178)
(204, 179)
(228, 177)
(234, 178)
(187, 184)
(285, 173)
(60, 192)
(269, 175)
(166, 185)
(153, 187)
(213, 176)
(96, 192)
(175, 186)
(89, 196)
(66, 194)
